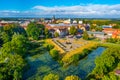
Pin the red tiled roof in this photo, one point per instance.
(117, 71)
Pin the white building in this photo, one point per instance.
(80, 22)
(68, 21)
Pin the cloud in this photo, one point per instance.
(84, 11)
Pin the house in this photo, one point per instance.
(68, 21)
(62, 32)
(117, 72)
(87, 27)
(100, 35)
(74, 21)
(3, 23)
(80, 22)
(106, 26)
(52, 31)
(62, 29)
(81, 26)
(24, 24)
(108, 31)
(116, 34)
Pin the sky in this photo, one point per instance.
(60, 8)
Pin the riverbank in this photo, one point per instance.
(43, 64)
(107, 64)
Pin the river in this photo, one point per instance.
(43, 64)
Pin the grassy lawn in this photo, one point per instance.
(78, 50)
(49, 41)
(80, 42)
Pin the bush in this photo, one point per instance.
(72, 77)
(55, 54)
(51, 77)
(85, 35)
(75, 58)
(49, 46)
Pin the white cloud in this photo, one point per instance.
(90, 10)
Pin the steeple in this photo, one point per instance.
(53, 19)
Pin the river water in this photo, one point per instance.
(43, 64)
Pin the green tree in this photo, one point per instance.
(98, 28)
(48, 46)
(56, 34)
(92, 27)
(106, 63)
(72, 77)
(34, 30)
(8, 31)
(16, 75)
(116, 27)
(75, 58)
(72, 30)
(85, 35)
(55, 54)
(19, 45)
(51, 77)
(47, 34)
(11, 66)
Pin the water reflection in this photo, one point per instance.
(43, 64)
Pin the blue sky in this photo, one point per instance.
(60, 8)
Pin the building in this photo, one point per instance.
(116, 34)
(24, 24)
(68, 21)
(100, 35)
(80, 22)
(3, 23)
(117, 72)
(61, 28)
(108, 31)
(106, 26)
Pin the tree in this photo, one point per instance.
(48, 47)
(85, 35)
(17, 45)
(8, 31)
(11, 66)
(116, 27)
(51, 77)
(34, 30)
(56, 34)
(98, 28)
(75, 58)
(72, 77)
(47, 34)
(54, 53)
(72, 30)
(92, 27)
(106, 63)
(16, 75)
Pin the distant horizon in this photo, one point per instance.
(57, 18)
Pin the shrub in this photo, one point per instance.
(51, 77)
(49, 46)
(72, 77)
(75, 58)
(55, 54)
